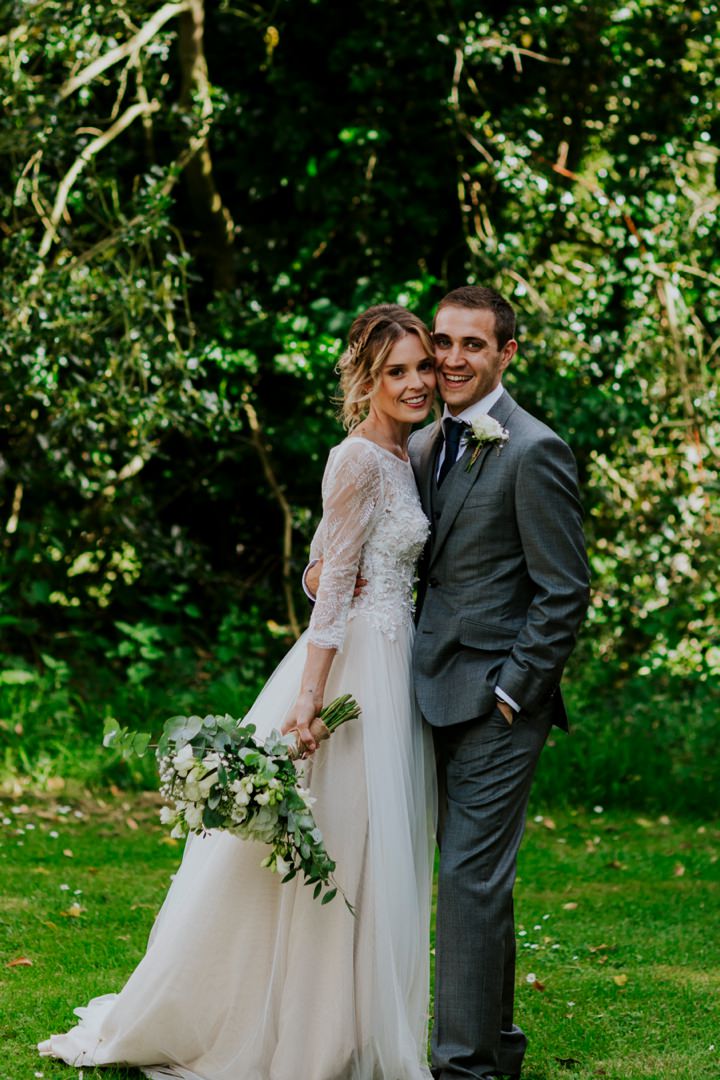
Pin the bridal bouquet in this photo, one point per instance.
(216, 775)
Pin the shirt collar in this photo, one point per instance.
(484, 405)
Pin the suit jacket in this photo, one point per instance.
(504, 580)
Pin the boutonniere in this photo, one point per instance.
(485, 431)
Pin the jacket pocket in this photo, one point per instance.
(493, 638)
(489, 499)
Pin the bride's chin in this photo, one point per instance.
(418, 415)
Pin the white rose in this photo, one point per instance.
(486, 428)
(184, 760)
(193, 817)
(211, 760)
(167, 815)
(241, 797)
(205, 785)
(191, 790)
(262, 798)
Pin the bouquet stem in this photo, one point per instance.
(331, 717)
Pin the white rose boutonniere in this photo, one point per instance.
(485, 431)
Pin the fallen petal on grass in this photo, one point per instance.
(20, 961)
(74, 912)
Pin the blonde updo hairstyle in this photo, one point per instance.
(372, 337)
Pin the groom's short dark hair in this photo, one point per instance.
(479, 296)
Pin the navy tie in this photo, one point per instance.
(453, 434)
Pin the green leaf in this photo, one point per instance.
(17, 677)
(182, 729)
(141, 741)
(329, 896)
(211, 818)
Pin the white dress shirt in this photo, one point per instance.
(484, 405)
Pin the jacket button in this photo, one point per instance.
(433, 582)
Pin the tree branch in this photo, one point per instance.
(216, 223)
(262, 452)
(85, 156)
(129, 48)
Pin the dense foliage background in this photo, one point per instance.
(197, 198)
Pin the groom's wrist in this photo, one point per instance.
(501, 695)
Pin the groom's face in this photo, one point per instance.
(469, 362)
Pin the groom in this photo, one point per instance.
(504, 588)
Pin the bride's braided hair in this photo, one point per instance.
(372, 336)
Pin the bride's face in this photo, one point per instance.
(406, 388)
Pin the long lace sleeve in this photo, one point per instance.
(352, 490)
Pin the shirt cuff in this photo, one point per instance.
(311, 596)
(498, 692)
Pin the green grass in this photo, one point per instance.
(617, 915)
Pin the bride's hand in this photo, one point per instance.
(300, 718)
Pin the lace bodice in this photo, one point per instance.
(372, 523)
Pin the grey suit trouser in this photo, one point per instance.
(485, 769)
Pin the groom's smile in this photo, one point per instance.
(469, 361)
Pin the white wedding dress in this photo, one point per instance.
(245, 978)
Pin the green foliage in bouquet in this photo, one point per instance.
(216, 775)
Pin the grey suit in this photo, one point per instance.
(504, 587)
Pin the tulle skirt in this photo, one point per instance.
(248, 979)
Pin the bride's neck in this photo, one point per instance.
(386, 431)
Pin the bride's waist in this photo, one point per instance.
(391, 614)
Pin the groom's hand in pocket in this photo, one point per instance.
(505, 709)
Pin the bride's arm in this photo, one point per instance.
(351, 491)
(310, 697)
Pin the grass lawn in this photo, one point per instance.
(618, 920)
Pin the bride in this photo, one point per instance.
(245, 978)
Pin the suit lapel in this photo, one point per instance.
(424, 467)
(460, 480)
(503, 409)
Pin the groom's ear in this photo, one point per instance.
(508, 351)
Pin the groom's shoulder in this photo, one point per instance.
(528, 428)
(420, 439)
